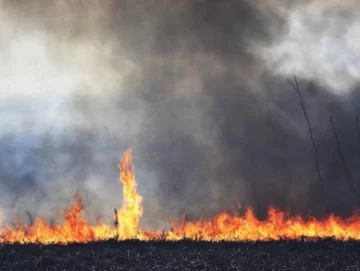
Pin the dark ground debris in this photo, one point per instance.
(184, 255)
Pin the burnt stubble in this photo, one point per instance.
(326, 254)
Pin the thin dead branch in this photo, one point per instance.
(342, 158)
(358, 129)
(116, 218)
(30, 217)
(297, 89)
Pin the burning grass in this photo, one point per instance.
(280, 242)
(223, 227)
(324, 254)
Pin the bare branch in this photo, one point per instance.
(30, 217)
(342, 158)
(297, 89)
(358, 129)
(116, 218)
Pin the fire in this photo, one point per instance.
(131, 212)
(74, 229)
(225, 226)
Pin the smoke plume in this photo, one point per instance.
(199, 90)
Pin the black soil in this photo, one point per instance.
(184, 255)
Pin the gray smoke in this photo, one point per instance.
(199, 90)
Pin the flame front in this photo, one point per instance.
(131, 211)
(224, 226)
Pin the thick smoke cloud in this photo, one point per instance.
(330, 55)
(199, 90)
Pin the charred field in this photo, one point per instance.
(322, 254)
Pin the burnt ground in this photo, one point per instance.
(184, 255)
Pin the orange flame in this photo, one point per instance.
(130, 213)
(224, 226)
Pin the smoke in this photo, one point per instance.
(199, 90)
(319, 45)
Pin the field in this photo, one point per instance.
(184, 255)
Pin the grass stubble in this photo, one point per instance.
(322, 254)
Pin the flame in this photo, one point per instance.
(131, 211)
(225, 226)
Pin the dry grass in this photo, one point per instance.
(184, 255)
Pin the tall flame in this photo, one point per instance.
(224, 226)
(130, 213)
